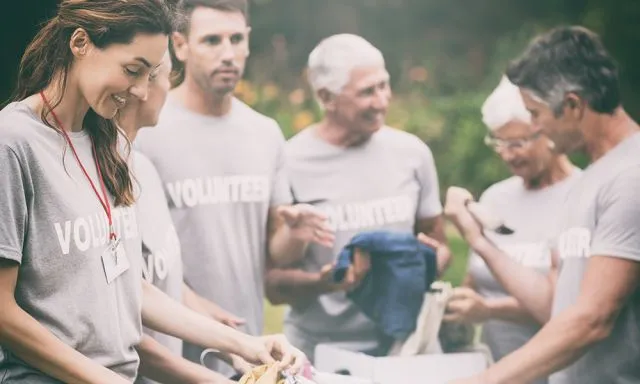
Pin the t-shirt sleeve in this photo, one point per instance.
(13, 205)
(429, 204)
(281, 190)
(617, 230)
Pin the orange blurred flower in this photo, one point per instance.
(297, 97)
(270, 91)
(302, 120)
(418, 74)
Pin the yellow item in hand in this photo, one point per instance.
(263, 374)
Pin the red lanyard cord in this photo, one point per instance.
(105, 203)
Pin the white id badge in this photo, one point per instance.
(114, 261)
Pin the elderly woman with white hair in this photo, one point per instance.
(365, 176)
(527, 202)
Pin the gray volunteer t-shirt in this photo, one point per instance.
(162, 263)
(602, 217)
(54, 226)
(387, 183)
(221, 175)
(533, 216)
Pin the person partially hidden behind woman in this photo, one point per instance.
(161, 355)
(527, 202)
(71, 290)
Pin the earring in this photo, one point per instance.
(551, 145)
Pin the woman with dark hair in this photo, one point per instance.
(71, 290)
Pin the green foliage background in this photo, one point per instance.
(444, 58)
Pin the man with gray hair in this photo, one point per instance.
(364, 176)
(569, 83)
(527, 202)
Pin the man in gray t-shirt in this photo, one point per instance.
(364, 176)
(222, 168)
(569, 83)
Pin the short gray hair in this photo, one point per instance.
(504, 105)
(332, 60)
(555, 94)
(568, 59)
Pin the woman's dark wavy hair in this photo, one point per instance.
(48, 55)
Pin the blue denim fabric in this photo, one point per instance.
(402, 270)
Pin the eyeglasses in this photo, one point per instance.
(513, 144)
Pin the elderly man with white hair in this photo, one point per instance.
(527, 201)
(365, 176)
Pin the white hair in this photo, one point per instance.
(332, 60)
(504, 105)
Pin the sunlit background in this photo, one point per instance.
(444, 57)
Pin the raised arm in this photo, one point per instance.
(610, 282)
(531, 288)
(291, 228)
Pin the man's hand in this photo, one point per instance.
(357, 271)
(456, 211)
(443, 253)
(307, 223)
(274, 349)
(466, 306)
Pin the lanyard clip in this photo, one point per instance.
(113, 238)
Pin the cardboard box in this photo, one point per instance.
(421, 369)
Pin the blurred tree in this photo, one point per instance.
(444, 58)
